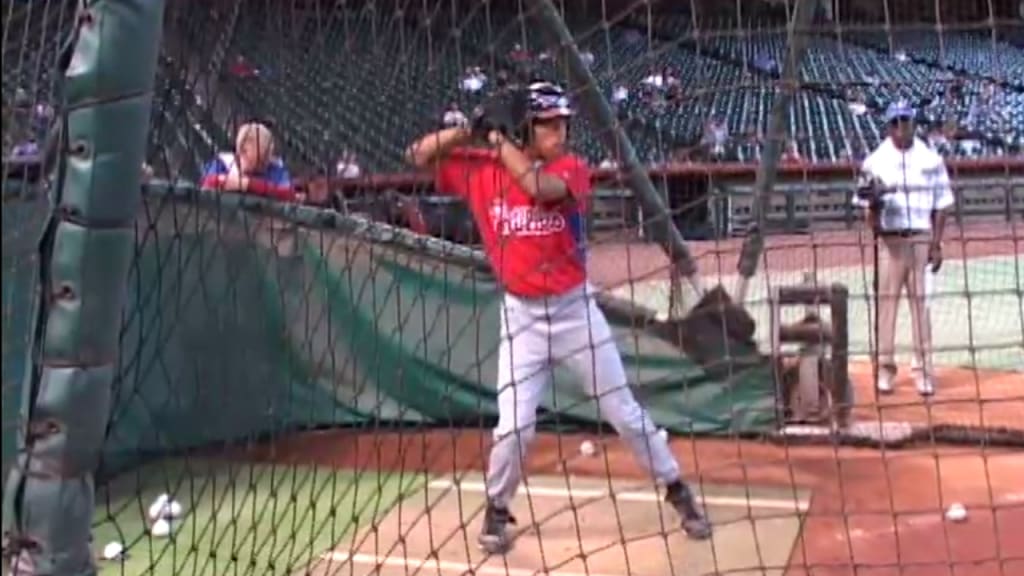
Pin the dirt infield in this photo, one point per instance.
(614, 263)
(570, 526)
(973, 398)
(873, 512)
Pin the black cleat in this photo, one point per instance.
(494, 538)
(695, 524)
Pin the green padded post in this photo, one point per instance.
(85, 253)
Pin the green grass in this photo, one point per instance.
(240, 518)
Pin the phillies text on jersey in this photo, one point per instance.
(525, 220)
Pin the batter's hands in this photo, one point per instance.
(504, 112)
(935, 256)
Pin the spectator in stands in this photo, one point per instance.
(348, 166)
(620, 94)
(654, 82)
(858, 106)
(241, 68)
(518, 54)
(981, 109)
(501, 79)
(937, 140)
(42, 116)
(716, 136)
(21, 98)
(453, 117)
(253, 167)
(26, 149)
(474, 80)
(765, 63)
(791, 152)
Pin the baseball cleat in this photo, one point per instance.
(925, 386)
(695, 524)
(884, 382)
(494, 538)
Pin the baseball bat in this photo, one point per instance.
(767, 170)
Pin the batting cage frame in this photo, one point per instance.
(85, 251)
(218, 382)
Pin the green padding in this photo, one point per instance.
(433, 333)
(58, 512)
(95, 188)
(115, 54)
(70, 398)
(205, 355)
(226, 337)
(87, 284)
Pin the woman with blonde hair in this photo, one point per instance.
(252, 168)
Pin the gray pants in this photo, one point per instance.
(569, 328)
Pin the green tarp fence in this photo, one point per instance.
(247, 320)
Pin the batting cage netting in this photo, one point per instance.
(289, 362)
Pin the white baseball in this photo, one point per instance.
(161, 528)
(587, 448)
(174, 510)
(956, 512)
(158, 508)
(113, 550)
(663, 434)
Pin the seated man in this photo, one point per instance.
(252, 168)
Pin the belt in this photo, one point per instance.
(902, 233)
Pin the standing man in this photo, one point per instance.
(905, 189)
(526, 192)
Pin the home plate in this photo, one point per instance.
(574, 528)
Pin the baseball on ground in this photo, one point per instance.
(956, 512)
(587, 448)
(161, 528)
(113, 551)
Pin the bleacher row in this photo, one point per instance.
(369, 80)
(400, 74)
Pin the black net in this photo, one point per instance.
(309, 350)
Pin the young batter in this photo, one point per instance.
(527, 201)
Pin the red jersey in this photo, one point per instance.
(535, 248)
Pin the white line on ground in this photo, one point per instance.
(631, 495)
(444, 566)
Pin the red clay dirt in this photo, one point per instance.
(972, 398)
(873, 512)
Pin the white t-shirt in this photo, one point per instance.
(916, 181)
(454, 118)
(348, 169)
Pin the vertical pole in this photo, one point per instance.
(85, 254)
(767, 170)
(612, 135)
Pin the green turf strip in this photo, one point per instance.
(240, 518)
